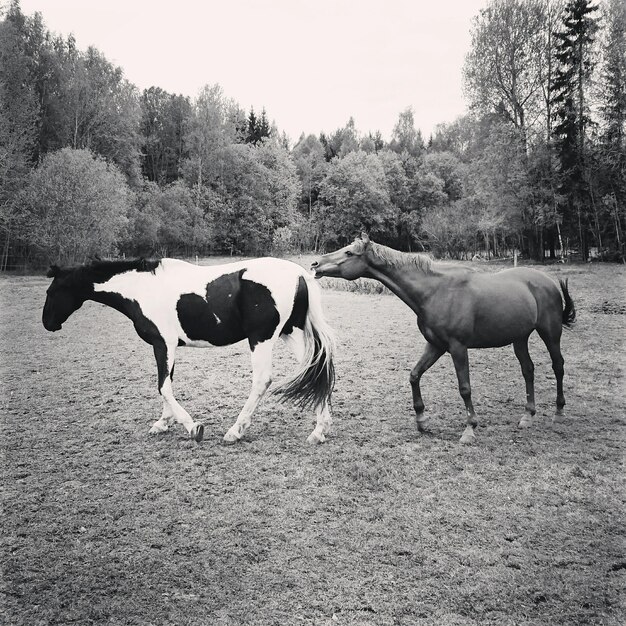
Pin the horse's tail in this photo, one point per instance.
(569, 311)
(312, 385)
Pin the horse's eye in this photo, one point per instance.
(348, 253)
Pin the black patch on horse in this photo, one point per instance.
(233, 309)
(300, 308)
(198, 320)
(259, 315)
(145, 328)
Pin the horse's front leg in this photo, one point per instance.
(429, 357)
(167, 419)
(167, 416)
(165, 354)
(461, 365)
(261, 379)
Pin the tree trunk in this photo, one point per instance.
(529, 237)
(5, 252)
(551, 246)
(597, 222)
(563, 252)
(618, 231)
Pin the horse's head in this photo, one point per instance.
(349, 262)
(63, 297)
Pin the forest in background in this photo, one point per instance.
(89, 165)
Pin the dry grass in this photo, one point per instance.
(104, 525)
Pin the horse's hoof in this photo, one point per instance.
(156, 430)
(315, 438)
(230, 438)
(197, 432)
(422, 425)
(525, 422)
(468, 438)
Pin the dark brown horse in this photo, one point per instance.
(458, 308)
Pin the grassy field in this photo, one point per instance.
(102, 524)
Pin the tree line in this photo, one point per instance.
(90, 165)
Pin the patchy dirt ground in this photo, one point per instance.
(105, 525)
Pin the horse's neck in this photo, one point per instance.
(412, 285)
(121, 297)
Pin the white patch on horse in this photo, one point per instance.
(217, 319)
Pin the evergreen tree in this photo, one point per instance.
(258, 127)
(252, 127)
(263, 127)
(570, 102)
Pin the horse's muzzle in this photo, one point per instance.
(51, 326)
(325, 269)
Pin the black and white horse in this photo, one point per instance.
(173, 303)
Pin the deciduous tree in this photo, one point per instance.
(74, 205)
(502, 67)
(357, 197)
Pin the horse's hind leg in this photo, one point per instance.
(429, 357)
(553, 343)
(295, 341)
(528, 371)
(261, 380)
(322, 427)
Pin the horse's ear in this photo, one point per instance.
(365, 237)
(54, 271)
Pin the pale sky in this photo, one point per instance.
(312, 64)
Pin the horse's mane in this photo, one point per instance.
(395, 258)
(99, 271)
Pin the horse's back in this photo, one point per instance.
(526, 295)
(527, 275)
(483, 309)
(223, 304)
(543, 289)
(268, 271)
